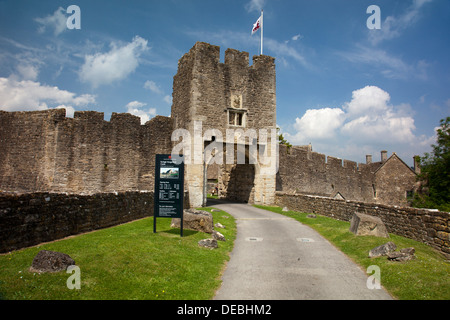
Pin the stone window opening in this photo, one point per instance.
(374, 191)
(236, 113)
(236, 118)
(409, 195)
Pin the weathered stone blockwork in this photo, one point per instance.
(45, 151)
(307, 172)
(33, 218)
(203, 88)
(427, 226)
(303, 171)
(209, 92)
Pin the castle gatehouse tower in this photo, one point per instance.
(224, 118)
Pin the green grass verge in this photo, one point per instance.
(125, 262)
(425, 278)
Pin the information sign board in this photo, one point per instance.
(169, 189)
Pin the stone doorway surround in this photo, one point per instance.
(247, 180)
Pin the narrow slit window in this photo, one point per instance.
(239, 117)
(231, 118)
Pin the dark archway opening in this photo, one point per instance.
(237, 183)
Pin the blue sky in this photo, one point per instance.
(346, 89)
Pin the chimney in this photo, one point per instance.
(416, 164)
(368, 159)
(383, 156)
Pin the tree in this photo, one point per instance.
(282, 140)
(435, 172)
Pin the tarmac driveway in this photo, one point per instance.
(278, 258)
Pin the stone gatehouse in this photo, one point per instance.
(223, 120)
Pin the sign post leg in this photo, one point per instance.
(181, 225)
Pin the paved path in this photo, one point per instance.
(278, 258)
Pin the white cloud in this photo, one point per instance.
(388, 65)
(364, 125)
(255, 5)
(28, 72)
(69, 110)
(392, 27)
(168, 99)
(282, 49)
(372, 118)
(319, 123)
(369, 99)
(27, 95)
(387, 127)
(296, 37)
(117, 64)
(135, 108)
(57, 21)
(152, 86)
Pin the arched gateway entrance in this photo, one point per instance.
(240, 171)
(232, 181)
(210, 95)
(237, 183)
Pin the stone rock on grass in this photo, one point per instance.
(208, 243)
(218, 236)
(219, 225)
(51, 261)
(382, 250)
(405, 254)
(366, 225)
(197, 220)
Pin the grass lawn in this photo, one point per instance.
(128, 261)
(425, 278)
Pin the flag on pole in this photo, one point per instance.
(256, 26)
(259, 25)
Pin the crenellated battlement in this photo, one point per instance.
(210, 91)
(236, 59)
(46, 151)
(89, 116)
(305, 153)
(306, 172)
(203, 54)
(58, 116)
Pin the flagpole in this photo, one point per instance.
(262, 27)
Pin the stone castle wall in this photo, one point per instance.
(33, 218)
(305, 172)
(45, 151)
(427, 226)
